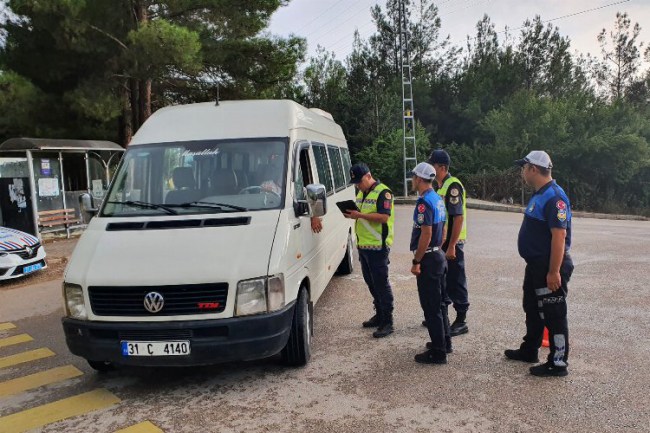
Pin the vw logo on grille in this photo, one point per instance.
(153, 302)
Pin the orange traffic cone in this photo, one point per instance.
(545, 338)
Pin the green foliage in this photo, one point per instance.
(159, 45)
(104, 65)
(384, 156)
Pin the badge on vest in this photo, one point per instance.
(454, 192)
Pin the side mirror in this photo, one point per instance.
(87, 209)
(316, 199)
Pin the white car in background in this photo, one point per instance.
(20, 254)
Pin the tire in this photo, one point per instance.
(347, 264)
(298, 349)
(101, 366)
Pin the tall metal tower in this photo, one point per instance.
(408, 113)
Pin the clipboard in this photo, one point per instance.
(347, 205)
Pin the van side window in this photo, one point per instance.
(345, 153)
(303, 175)
(337, 167)
(323, 167)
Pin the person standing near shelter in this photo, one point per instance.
(429, 263)
(544, 243)
(374, 229)
(453, 193)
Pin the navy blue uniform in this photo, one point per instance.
(456, 279)
(430, 211)
(548, 208)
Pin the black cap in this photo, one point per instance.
(440, 156)
(358, 171)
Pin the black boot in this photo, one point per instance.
(448, 346)
(459, 326)
(386, 327)
(373, 322)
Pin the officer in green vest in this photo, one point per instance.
(453, 193)
(374, 228)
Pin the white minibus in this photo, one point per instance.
(203, 251)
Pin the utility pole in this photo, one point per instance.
(408, 113)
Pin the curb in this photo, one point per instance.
(498, 207)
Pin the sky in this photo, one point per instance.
(331, 23)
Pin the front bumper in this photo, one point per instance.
(211, 341)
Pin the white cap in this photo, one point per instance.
(424, 170)
(536, 157)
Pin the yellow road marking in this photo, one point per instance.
(59, 410)
(36, 380)
(20, 358)
(5, 326)
(143, 427)
(16, 339)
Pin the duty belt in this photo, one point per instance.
(429, 250)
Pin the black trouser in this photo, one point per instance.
(374, 266)
(456, 281)
(432, 298)
(546, 308)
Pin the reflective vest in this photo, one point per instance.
(442, 191)
(369, 234)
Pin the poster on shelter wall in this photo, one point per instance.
(48, 187)
(98, 188)
(17, 193)
(46, 168)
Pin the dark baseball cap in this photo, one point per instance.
(440, 156)
(358, 171)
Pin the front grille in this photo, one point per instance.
(26, 254)
(179, 300)
(156, 335)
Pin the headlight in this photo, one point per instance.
(74, 301)
(276, 292)
(251, 297)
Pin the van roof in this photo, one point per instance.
(231, 120)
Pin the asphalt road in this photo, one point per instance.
(355, 383)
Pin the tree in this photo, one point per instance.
(384, 155)
(113, 61)
(621, 61)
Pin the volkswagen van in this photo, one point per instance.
(203, 250)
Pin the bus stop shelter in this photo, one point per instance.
(40, 175)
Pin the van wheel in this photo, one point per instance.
(298, 349)
(101, 366)
(347, 264)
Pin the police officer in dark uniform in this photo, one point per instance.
(544, 243)
(452, 192)
(374, 228)
(429, 263)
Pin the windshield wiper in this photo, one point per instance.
(209, 204)
(144, 204)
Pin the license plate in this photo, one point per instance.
(32, 268)
(155, 348)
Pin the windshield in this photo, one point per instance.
(199, 177)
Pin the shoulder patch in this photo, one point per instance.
(388, 196)
(561, 205)
(454, 192)
(421, 208)
(561, 215)
(454, 200)
(420, 218)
